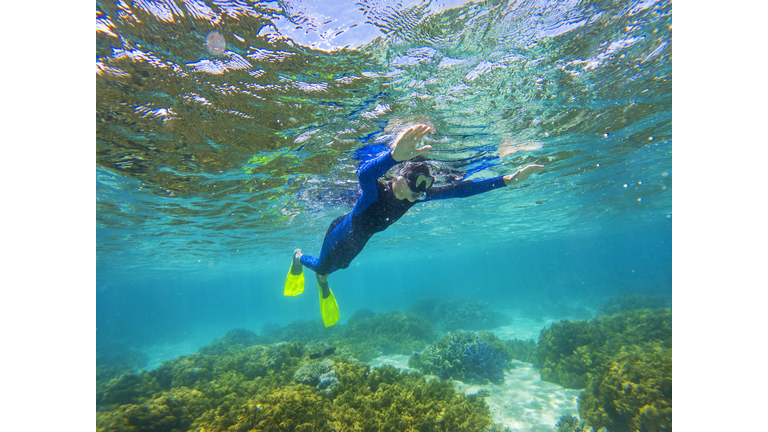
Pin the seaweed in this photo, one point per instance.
(310, 373)
(569, 350)
(393, 332)
(234, 340)
(632, 392)
(622, 361)
(522, 350)
(173, 410)
(568, 423)
(392, 400)
(266, 388)
(301, 331)
(114, 361)
(633, 301)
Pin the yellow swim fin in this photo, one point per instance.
(328, 307)
(294, 284)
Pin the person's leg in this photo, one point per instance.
(319, 264)
(322, 280)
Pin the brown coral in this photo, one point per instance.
(634, 392)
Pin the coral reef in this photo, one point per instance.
(113, 361)
(278, 387)
(633, 392)
(563, 356)
(120, 357)
(482, 362)
(450, 315)
(310, 373)
(522, 350)
(464, 356)
(399, 401)
(327, 383)
(360, 314)
(300, 330)
(234, 340)
(624, 362)
(630, 301)
(569, 350)
(369, 336)
(570, 424)
(174, 410)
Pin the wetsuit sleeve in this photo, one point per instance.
(465, 188)
(369, 172)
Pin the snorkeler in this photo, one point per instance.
(379, 206)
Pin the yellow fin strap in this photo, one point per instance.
(328, 308)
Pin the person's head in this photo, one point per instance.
(413, 181)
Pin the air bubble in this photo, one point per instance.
(215, 43)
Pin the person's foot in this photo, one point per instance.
(296, 267)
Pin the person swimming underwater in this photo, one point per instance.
(380, 205)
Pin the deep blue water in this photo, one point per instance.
(578, 270)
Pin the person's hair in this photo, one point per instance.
(418, 176)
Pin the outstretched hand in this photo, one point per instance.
(521, 174)
(406, 142)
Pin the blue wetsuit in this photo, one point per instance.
(375, 210)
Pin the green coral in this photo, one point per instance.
(562, 353)
(173, 410)
(451, 315)
(266, 388)
(395, 332)
(386, 399)
(234, 340)
(365, 336)
(624, 363)
(632, 392)
(522, 350)
(114, 361)
(310, 373)
(569, 351)
(570, 424)
(300, 330)
(216, 373)
(632, 301)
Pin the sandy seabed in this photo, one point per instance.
(523, 402)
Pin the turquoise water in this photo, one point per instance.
(215, 161)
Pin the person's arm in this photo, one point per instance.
(468, 188)
(521, 174)
(403, 148)
(367, 175)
